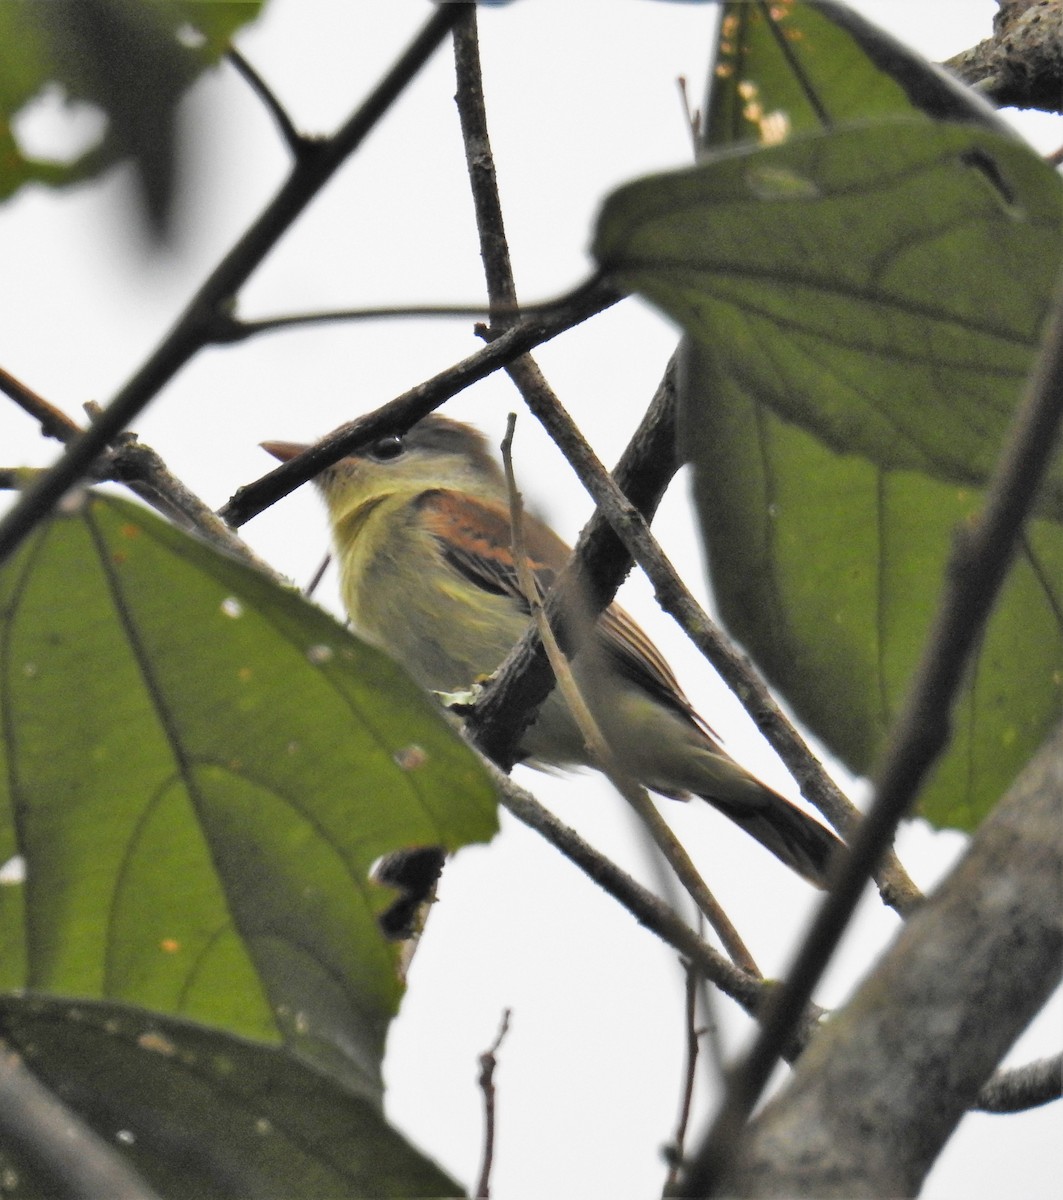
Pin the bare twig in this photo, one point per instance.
(54, 422)
(676, 599)
(675, 1150)
(982, 553)
(318, 575)
(399, 414)
(488, 1062)
(298, 143)
(598, 748)
(746, 990)
(58, 1145)
(194, 328)
(599, 564)
(483, 182)
(229, 328)
(692, 115)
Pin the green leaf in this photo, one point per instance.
(864, 305)
(205, 1115)
(828, 568)
(132, 58)
(201, 769)
(882, 286)
(786, 68)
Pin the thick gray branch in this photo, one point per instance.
(879, 1092)
(1021, 65)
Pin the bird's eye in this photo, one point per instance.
(386, 448)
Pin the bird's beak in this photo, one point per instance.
(284, 450)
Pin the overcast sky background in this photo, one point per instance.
(580, 98)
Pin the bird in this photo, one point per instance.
(422, 533)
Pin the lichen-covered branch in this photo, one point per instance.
(1021, 65)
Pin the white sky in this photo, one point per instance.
(581, 97)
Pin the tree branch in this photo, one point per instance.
(746, 990)
(194, 328)
(399, 414)
(1021, 65)
(480, 163)
(877, 1095)
(1022, 1088)
(297, 143)
(54, 422)
(488, 1062)
(599, 564)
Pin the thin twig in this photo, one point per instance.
(317, 576)
(693, 115)
(599, 564)
(675, 598)
(488, 1062)
(675, 1150)
(483, 181)
(651, 912)
(981, 555)
(228, 328)
(296, 142)
(406, 410)
(598, 748)
(54, 422)
(62, 1151)
(194, 328)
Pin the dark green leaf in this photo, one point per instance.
(205, 1115)
(202, 768)
(828, 568)
(883, 286)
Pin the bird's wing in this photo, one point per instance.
(476, 539)
(637, 659)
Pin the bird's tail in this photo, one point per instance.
(800, 842)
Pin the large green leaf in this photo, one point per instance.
(883, 285)
(200, 769)
(205, 1115)
(828, 568)
(865, 302)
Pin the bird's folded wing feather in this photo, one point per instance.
(476, 539)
